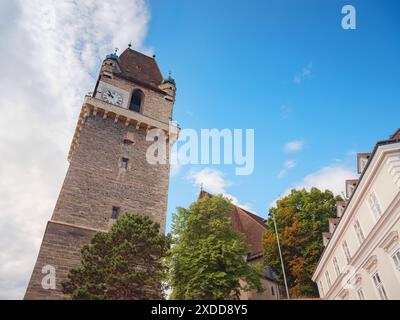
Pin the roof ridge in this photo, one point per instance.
(254, 217)
(249, 224)
(396, 134)
(138, 52)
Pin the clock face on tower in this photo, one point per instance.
(112, 97)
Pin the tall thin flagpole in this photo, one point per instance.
(280, 254)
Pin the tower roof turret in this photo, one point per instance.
(114, 56)
(169, 80)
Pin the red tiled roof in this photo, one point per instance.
(396, 135)
(137, 66)
(248, 224)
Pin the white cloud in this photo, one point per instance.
(175, 163)
(288, 165)
(282, 173)
(214, 182)
(51, 51)
(331, 178)
(304, 74)
(294, 146)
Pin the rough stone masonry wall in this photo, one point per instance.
(60, 249)
(95, 183)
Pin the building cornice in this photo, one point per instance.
(391, 240)
(95, 106)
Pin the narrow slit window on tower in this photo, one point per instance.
(136, 101)
(124, 163)
(115, 213)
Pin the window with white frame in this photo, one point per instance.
(379, 286)
(396, 259)
(321, 289)
(346, 251)
(360, 294)
(328, 279)
(359, 232)
(336, 265)
(374, 205)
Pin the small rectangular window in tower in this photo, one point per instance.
(124, 163)
(115, 213)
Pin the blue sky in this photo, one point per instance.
(283, 68)
(236, 64)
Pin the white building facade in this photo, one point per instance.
(361, 260)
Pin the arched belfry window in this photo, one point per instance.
(136, 101)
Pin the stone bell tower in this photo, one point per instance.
(108, 174)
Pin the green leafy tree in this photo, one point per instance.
(301, 217)
(207, 257)
(122, 264)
